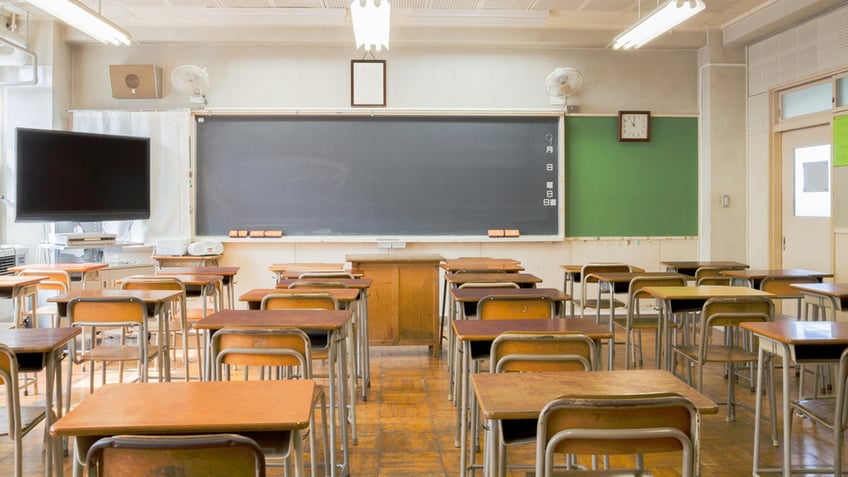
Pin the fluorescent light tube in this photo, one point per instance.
(84, 19)
(371, 23)
(661, 20)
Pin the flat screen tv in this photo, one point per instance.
(81, 177)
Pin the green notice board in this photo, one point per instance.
(840, 141)
(631, 189)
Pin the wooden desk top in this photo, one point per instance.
(223, 271)
(488, 330)
(204, 407)
(393, 258)
(475, 294)
(748, 274)
(358, 283)
(523, 395)
(187, 258)
(703, 292)
(689, 266)
(147, 296)
(834, 290)
(481, 264)
(627, 277)
(802, 332)
(37, 340)
(343, 295)
(15, 281)
(328, 320)
(306, 267)
(481, 277)
(68, 267)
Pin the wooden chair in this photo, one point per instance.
(721, 340)
(588, 282)
(327, 275)
(830, 412)
(781, 289)
(95, 315)
(189, 455)
(516, 307)
(617, 425)
(535, 352)
(178, 315)
(282, 350)
(18, 420)
(58, 282)
(635, 322)
(712, 276)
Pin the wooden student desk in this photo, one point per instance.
(345, 296)
(79, 272)
(752, 278)
(334, 322)
(227, 274)
(688, 267)
(360, 330)
(572, 274)
(505, 396)
(37, 349)
(158, 299)
(824, 296)
(165, 261)
(18, 289)
(619, 282)
(296, 268)
(804, 342)
(476, 334)
(275, 412)
(677, 299)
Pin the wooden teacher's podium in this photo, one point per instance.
(403, 304)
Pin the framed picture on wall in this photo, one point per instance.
(368, 83)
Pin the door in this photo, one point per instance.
(807, 230)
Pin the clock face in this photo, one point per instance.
(633, 125)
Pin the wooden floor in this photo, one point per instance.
(406, 428)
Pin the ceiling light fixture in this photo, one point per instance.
(371, 23)
(661, 20)
(84, 19)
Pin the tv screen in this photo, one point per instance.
(81, 177)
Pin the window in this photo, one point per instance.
(806, 100)
(812, 181)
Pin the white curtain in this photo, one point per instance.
(170, 157)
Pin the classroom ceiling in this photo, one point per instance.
(433, 23)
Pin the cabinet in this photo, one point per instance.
(403, 305)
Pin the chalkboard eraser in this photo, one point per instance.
(511, 233)
(257, 233)
(243, 233)
(233, 233)
(274, 233)
(496, 232)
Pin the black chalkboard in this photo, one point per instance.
(377, 175)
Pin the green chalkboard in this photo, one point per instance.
(631, 189)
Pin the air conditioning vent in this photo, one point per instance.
(11, 256)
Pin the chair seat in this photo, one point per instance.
(31, 416)
(603, 304)
(732, 354)
(117, 353)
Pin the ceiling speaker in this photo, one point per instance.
(136, 81)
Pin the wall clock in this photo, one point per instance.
(634, 125)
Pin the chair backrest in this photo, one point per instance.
(535, 352)
(318, 283)
(9, 379)
(635, 290)
(54, 276)
(779, 286)
(503, 284)
(107, 311)
(327, 274)
(718, 280)
(591, 268)
(516, 307)
(152, 282)
(730, 313)
(617, 425)
(245, 346)
(314, 301)
(165, 456)
(704, 272)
